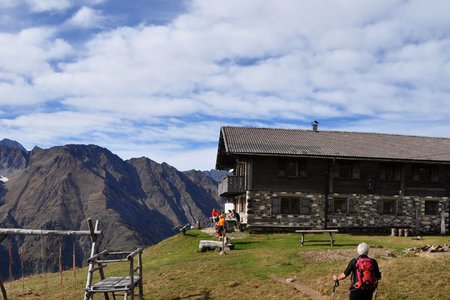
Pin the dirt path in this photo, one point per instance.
(306, 290)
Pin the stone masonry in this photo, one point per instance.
(365, 213)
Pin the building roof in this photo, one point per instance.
(333, 144)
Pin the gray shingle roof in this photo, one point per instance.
(289, 142)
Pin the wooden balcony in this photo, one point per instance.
(231, 185)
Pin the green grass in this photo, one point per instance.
(173, 269)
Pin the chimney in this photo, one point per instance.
(314, 125)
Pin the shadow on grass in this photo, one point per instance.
(203, 296)
(240, 245)
(322, 245)
(346, 245)
(192, 234)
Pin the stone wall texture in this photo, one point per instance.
(364, 215)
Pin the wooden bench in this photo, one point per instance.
(314, 231)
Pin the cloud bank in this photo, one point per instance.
(163, 91)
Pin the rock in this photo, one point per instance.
(389, 253)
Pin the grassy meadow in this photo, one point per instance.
(173, 269)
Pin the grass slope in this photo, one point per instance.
(174, 270)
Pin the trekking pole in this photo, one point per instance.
(336, 284)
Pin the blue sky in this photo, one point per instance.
(158, 78)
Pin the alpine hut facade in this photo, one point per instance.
(285, 179)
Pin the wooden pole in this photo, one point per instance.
(21, 265)
(93, 233)
(20, 231)
(43, 269)
(74, 266)
(10, 263)
(61, 282)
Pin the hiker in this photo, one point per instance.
(214, 217)
(220, 226)
(238, 218)
(236, 215)
(365, 274)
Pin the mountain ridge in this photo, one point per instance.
(137, 201)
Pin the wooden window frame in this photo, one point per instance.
(425, 173)
(291, 206)
(352, 170)
(300, 168)
(340, 205)
(394, 207)
(349, 168)
(394, 170)
(282, 168)
(348, 204)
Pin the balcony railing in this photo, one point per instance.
(231, 185)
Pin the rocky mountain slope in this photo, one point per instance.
(13, 157)
(138, 201)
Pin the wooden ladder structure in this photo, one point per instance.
(93, 232)
(113, 285)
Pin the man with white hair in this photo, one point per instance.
(365, 274)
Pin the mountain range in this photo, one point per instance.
(138, 202)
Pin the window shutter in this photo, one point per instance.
(350, 205)
(356, 173)
(399, 207)
(276, 206)
(380, 206)
(330, 204)
(305, 208)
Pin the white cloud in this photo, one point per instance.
(30, 51)
(262, 62)
(48, 5)
(46, 128)
(86, 17)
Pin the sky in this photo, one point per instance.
(158, 78)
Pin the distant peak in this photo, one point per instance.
(13, 144)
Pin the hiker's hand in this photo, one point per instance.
(335, 277)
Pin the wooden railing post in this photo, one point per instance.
(93, 230)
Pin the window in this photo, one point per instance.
(302, 168)
(431, 207)
(347, 171)
(287, 168)
(391, 172)
(426, 174)
(291, 206)
(390, 207)
(340, 205)
(292, 168)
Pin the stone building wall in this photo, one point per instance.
(365, 213)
